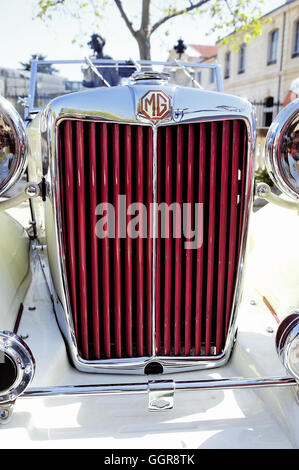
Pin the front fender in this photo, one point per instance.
(15, 274)
(273, 257)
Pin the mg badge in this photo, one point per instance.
(155, 105)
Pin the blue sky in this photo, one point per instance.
(21, 35)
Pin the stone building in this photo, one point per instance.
(263, 69)
(197, 53)
(14, 84)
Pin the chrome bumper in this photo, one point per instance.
(160, 392)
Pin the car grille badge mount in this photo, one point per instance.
(160, 395)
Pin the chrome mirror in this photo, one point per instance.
(13, 146)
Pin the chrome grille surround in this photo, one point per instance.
(82, 106)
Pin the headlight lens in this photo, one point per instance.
(289, 155)
(287, 344)
(13, 146)
(282, 150)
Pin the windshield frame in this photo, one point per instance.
(31, 110)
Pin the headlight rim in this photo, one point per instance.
(287, 331)
(19, 353)
(273, 140)
(12, 117)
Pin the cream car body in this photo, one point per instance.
(248, 401)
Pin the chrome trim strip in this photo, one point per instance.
(154, 239)
(248, 200)
(146, 387)
(52, 116)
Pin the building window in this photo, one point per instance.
(199, 77)
(227, 65)
(212, 75)
(273, 47)
(192, 74)
(268, 111)
(296, 40)
(242, 59)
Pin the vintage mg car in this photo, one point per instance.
(145, 301)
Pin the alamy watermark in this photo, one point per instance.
(133, 221)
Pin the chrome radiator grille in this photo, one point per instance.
(110, 279)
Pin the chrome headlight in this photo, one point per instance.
(287, 344)
(282, 150)
(13, 146)
(17, 366)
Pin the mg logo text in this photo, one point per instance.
(155, 105)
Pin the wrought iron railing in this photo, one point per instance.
(266, 113)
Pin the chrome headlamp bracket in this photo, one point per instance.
(29, 191)
(263, 191)
(17, 368)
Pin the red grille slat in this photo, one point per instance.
(128, 241)
(178, 244)
(105, 241)
(139, 176)
(243, 181)
(82, 235)
(70, 220)
(116, 246)
(168, 201)
(200, 251)
(188, 251)
(222, 233)
(94, 241)
(233, 222)
(211, 237)
(158, 256)
(110, 279)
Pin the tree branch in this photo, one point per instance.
(125, 17)
(45, 5)
(52, 3)
(230, 9)
(178, 13)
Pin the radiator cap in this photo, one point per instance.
(150, 75)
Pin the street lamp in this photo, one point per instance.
(180, 48)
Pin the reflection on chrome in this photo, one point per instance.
(282, 150)
(13, 146)
(7, 149)
(289, 154)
